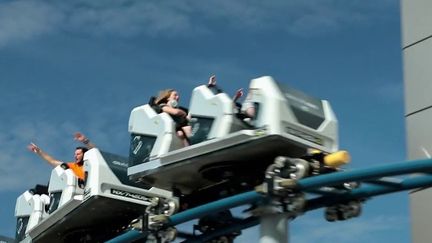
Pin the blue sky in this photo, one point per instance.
(83, 65)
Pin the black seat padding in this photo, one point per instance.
(39, 189)
(152, 103)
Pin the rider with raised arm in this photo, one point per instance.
(243, 110)
(76, 166)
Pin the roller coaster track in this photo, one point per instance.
(375, 181)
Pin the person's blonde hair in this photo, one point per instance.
(163, 96)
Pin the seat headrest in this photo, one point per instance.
(152, 101)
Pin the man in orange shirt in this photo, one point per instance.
(78, 165)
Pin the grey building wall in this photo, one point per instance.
(416, 21)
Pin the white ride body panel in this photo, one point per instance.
(71, 196)
(205, 103)
(37, 202)
(27, 205)
(190, 154)
(101, 181)
(144, 120)
(66, 182)
(275, 116)
(195, 150)
(22, 206)
(34, 205)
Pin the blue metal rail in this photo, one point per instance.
(319, 202)
(393, 169)
(367, 190)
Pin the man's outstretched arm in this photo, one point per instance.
(34, 148)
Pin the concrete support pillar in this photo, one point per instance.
(274, 228)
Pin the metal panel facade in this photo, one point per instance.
(416, 20)
(417, 76)
(419, 135)
(417, 55)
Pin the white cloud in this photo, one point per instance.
(299, 18)
(23, 20)
(389, 91)
(26, 19)
(22, 169)
(128, 20)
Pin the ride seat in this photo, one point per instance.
(152, 134)
(29, 211)
(213, 114)
(284, 110)
(63, 188)
(37, 202)
(23, 209)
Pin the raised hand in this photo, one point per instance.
(34, 148)
(83, 139)
(80, 137)
(238, 94)
(212, 81)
